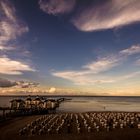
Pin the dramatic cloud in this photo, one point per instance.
(108, 15)
(132, 50)
(90, 73)
(55, 7)
(6, 83)
(13, 67)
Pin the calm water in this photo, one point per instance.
(82, 104)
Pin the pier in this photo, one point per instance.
(31, 106)
(60, 100)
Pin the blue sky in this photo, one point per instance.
(86, 45)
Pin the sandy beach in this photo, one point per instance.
(76, 126)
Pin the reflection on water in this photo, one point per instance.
(82, 104)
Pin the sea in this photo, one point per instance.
(87, 103)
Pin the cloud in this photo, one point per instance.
(93, 79)
(135, 49)
(130, 75)
(102, 64)
(13, 67)
(26, 84)
(87, 79)
(3, 48)
(95, 67)
(90, 73)
(10, 31)
(52, 90)
(10, 26)
(108, 15)
(87, 72)
(6, 83)
(55, 7)
(8, 10)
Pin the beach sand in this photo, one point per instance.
(9, 130)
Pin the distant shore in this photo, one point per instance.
(10, 128)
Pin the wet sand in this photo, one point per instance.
(10, 130)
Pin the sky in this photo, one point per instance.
(74, 47)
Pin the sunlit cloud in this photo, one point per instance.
(8, 10)
(87, 79)
(52, 90)
(10, 26)
(90, 73)
(55, 7)
(135, 49)
(102, 64)
(10, 31)
(13, 67)
(3, 48)
(87, 72)
(128, 76)
(108, 15)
